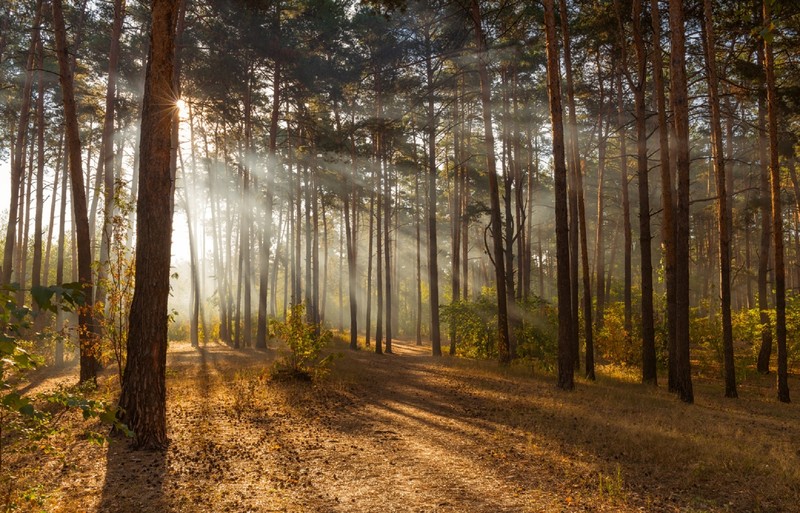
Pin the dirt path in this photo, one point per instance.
(403, 432)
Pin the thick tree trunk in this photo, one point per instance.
(143, 398)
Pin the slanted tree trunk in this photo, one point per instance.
(143, 397)
(86, 329)
(566, 360)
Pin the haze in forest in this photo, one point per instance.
(586, 192)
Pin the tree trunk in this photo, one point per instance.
(573, 169)
(667, 201)
(565, 344)
(765, 351)
(106, 160)
(680, 109)
(143, 397)
(723, 206)
(433, 263)
(777, 212)
(649, 364)
(503, 339)
(88, 342)
(18, 159)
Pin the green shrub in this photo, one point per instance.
(475, 324)
(305, 343)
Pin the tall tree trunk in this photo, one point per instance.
(18, 158)
(777, 211)
(573, 169)
(649, 364)
(626, 209)
(765, 351)
(723, 206)
(106, 160)
(566, 359)
(433, 263)
(503, 339)
(680, 109)
(88, 342)
(36, 265)
(143, 397)
(62, 221)
(600, 253)
(387, 246)
(667, 201)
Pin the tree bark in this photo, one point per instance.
(143, 397)
(667, 201)
(18, 159)
(565, 344)
(723, 206)
(680, 109)
(503, 339)
(777, 212)
(86, 328)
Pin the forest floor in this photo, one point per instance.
(411, 433)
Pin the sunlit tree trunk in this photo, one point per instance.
(433, 262)
(36, 265)
(143, 397)
(18, 157)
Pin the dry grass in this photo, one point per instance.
(408, 432)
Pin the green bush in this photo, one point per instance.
(475, 324)
(305, 342)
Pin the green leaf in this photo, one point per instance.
(43, 297)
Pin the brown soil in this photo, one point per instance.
(411, 433)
